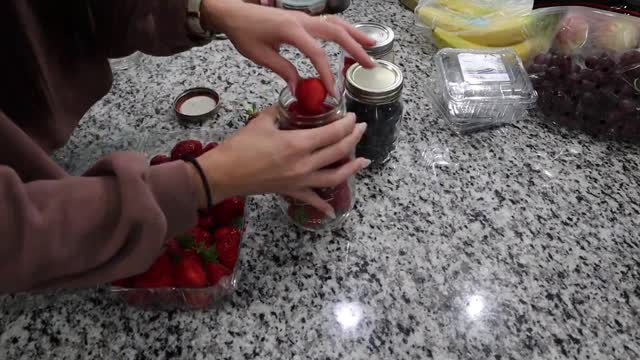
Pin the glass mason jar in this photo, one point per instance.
(340, 197)
(382, 50)
(375, 97)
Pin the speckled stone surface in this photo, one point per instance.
(519, 243)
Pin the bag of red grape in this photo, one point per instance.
(589, 78)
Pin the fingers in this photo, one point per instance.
(347, 36)
(358, 35)
(327, 135)
(310, 197)
(267, 118)
(333, 177)
(340, 150)
(281, 66)
(312, 49)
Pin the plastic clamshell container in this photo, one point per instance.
(478, 88)
(172, 298)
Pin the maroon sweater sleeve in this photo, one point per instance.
(80, 231)
(155, 27)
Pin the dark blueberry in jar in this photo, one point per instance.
(382, 128)
(591, 62)
(627, 106)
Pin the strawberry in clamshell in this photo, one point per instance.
(160, 159)
(209, 146)
(186, 148)
(194, 263)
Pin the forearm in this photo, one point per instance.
(82, 231)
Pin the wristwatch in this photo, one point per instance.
(195, 26)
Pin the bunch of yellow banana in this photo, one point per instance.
(461, 24)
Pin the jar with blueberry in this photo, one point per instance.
(375, 97)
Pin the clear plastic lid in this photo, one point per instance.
(484, 75)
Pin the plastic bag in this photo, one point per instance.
(589, 78)
(476, 24)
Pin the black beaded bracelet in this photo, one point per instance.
(203, 177)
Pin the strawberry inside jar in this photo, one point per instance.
(312, 108)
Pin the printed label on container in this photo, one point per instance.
(482, 67)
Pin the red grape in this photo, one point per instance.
(606, 65)
(542, 59)
(536, 69)
(554, 72)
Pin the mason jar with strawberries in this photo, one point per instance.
(309, 108)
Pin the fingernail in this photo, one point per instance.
(366, 163)
(362, 127)
(331, 214)
(292, 87)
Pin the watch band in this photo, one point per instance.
(193, 21)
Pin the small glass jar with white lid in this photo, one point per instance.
(384, 49)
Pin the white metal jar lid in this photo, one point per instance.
(302, 4)
(382, 34)
(380, 85)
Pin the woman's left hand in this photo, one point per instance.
(258, 32)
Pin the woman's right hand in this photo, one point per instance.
(260, 158)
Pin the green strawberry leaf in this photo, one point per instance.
(252, 110)
(209, 255)
(300, 216)
(238, 222)
(186, 241)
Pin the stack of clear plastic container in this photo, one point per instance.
(477, 89)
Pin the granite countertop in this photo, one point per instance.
(518, 243)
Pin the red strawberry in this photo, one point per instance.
(228, 245)
(341, 198)
(190, 272)
(348, 61)
(159, 159)
(210, 146)
(206, 221)
(216, 272)
(306, 215)
(311, 94)
(186, 147)
(201, 236)
(229, 210)
(196, 238)
(173, 249)
(160, 274)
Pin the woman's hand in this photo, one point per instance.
(258, 32)
(260, 158)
